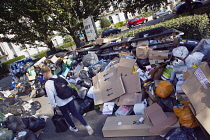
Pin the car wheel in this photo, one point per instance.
(132, 26)
(157, 17)
(118, 32)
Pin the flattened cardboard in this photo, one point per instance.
(159, 118)
(129, 99)
(198, 95)
(121, 126)
(158, 54)
(125, 67)
(108, 86)
(132, 83)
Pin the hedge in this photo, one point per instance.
(66, 45)
(5, 65)
(119, 24)
(194, 27)
(41, 54)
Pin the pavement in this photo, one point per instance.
(94, 118)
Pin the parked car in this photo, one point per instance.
(161, 13)
(181, 7)
(110, 31)
(131, 23)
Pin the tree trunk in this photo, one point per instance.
(75, 37)
(189, 7)
(51, 47)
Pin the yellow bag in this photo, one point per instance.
(134, 69)
(186, 117)
(164, 89)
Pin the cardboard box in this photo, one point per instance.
(158, 54)
(129, 99)
(107, 87)
(152, 62)
(142, 52)
(108, 84)
(121, 126)
(158, 118)
(125, 67)
(132, 83)
(197, 88)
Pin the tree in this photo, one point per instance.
(35, 20)
(105, 23)
(27, 21)
(134, 6)
(69, 14)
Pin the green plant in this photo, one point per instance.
(105, 23)
(67, 39)
(66, 45)
(194, 27)
(5, 65)
(41, 54)
(119, 24)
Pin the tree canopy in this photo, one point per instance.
(35, 20)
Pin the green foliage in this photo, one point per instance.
(119, 24)
(194, 27)
(105, 23)
(66, 45)
(41, 54)
(68, 39)
(5, 65)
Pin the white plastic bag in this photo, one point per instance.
(180, 51)
(194, 60)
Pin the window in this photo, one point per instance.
(110, 19)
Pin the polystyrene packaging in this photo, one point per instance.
(194, 60)
(180, 51)
(139, 107)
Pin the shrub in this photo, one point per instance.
(5, 65)
(105, 23)
(194, 27)
(41, 54)
(66, 45)
(119, 24)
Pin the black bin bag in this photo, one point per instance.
(181, 133)
(59, 122)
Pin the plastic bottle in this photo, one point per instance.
(139, 107)
(167, 72)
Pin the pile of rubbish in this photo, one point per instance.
(153, 84)
(18, 118)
